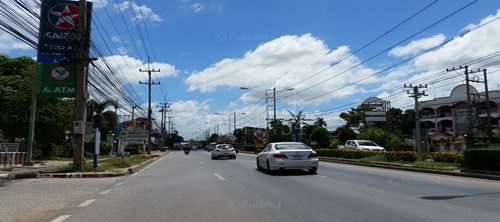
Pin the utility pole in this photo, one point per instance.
(163, 124)
(487, 95)
(133, 118)
(81, 93)
(149, 83)
(469, 137)
(416, 94)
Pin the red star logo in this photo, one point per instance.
(68, 17)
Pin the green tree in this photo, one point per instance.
(279, 132)
(296, 122)
(320, 122)
(345, 133)
(53, 116)
(321, 136)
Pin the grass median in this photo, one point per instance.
(108, 164)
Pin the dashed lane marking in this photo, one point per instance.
(219, 176)
(202, 162)
(86, 203)
(61, 218)
(118, 184)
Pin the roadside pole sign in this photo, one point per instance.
(59, 38)
(134, 134)
(9, 147)
(53, 79)
(138, 141)
(59, 47)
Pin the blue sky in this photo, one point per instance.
(334, 54)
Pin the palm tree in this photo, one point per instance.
(95, 110)
(320, 122)
(296, 122)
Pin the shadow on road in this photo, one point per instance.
(455, 197)
(287, 172)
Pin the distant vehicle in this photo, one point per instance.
(177, 146)
(224, 150)
(211, 146)
(287, 155)
(361, 145)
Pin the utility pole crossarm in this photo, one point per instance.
(149, 83)
(416, 94)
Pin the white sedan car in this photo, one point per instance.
(287, 155)
(224, 150)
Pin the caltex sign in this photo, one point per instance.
(59, 37)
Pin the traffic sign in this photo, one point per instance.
(9, 147)
(134, 134)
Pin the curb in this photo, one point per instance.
(463, 173)
(124, 172)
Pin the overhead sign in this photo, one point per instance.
(59, 38)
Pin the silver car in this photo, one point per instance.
(224, 150)
(287, 155)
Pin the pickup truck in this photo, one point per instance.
(361, 145)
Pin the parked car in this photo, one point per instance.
(224, 150)
(211, 146)
(287, 155)
(362, 145)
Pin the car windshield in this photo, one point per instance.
(367, 143)
(291, 147)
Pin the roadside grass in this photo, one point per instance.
(418, 163)
(110, 164)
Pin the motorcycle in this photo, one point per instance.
(186, 152)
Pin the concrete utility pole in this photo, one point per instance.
(80, 89)
(487, 95)
(149, 103)
(163, 123)
(416, 94)
(469, 137)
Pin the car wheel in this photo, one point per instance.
(258, 165)
(313, 170)
(268, 168)
(234, 157)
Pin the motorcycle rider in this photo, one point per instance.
(186, 149)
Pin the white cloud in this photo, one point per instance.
(197, 7)
(141, 12)
(417, 46)
(294, 61)
(9, 43)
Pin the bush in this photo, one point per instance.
(132, 149)
(105, 148)
(343, 153)
(405, 156)
(447, 157)
(482, 159)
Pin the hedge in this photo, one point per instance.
(482, 159)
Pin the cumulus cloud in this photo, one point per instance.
(141, 12)
(417, 46)
(300, 62)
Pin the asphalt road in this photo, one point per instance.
(195, 188)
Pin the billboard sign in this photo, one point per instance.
(59, 38)
(55, 80)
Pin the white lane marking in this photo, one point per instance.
(86, 203)
(321, 176)
(61, 218)
(219, 176)
(105, 191)
(118, 184)
(202, 162)
(145, 168)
